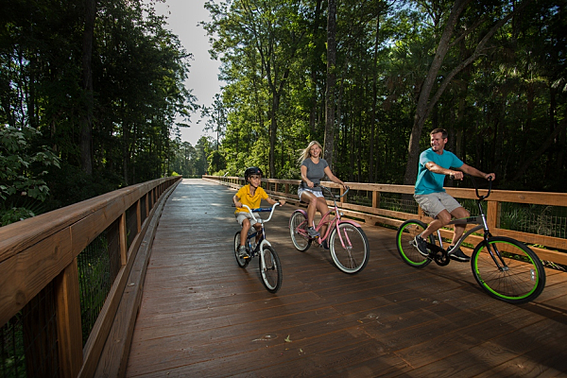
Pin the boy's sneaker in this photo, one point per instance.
(312, 232)
(457, 254)
(421, 245)
(242, 252)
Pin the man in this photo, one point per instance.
(434, 164)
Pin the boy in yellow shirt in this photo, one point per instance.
(251, 195)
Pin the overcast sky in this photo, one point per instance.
(183, 19)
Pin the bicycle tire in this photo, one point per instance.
(298, 231)
(409, 254)
(272, 275)
(524, 279)
(240, 261)
(353, 257)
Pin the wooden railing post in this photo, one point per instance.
(70, 343)
(123, 240)
(138, 215)
(493, 212)
(375, 199)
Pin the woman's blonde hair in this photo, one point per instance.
(306, 153)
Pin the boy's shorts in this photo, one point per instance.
(434, 203)
(240, 216)
(316, 193)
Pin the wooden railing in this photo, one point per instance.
(43, 250)
(548, 248)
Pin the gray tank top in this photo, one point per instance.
(315, 172)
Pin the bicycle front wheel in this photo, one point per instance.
(298, 231)
(241, 262)
(270, 269)
(349, 248)
(406, 233)
(508, 270)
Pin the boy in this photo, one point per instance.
(251, 195)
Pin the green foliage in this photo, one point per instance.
(23, 167)
(504, 110)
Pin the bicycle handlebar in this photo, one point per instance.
(481, 197)
(331, 193)
(262, 210)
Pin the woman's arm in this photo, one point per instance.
(332, 177)
(304, 176)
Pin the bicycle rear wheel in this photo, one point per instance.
(519, 277)
(241, 262)
(349, 248)
(406, 233)
(298, 231)
(271, 272)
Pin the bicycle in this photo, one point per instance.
(270, 265)
(505, 268)
(347, 241)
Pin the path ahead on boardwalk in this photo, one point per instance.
(203, 316)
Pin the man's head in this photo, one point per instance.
(438, 139)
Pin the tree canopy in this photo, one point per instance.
(94, 91)
(491, 72)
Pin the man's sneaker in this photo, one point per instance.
(312, 232)
(457, 254)
(242, 252)
(324, 244)
(421, 245)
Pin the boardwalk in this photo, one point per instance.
(203, 316)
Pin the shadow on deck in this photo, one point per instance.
(202, 315)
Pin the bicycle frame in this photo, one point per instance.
(333, 223)
(482, 224)
(262, 242)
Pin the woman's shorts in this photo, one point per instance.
(240, 216)
(316, 193)
(435, 203)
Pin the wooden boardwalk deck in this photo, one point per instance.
(203, 316)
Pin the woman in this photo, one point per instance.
(313, 169)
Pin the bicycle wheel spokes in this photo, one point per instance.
(270, 269)
(520, 276)
(298, 231)
(241, 262)
(406, 234)
(349, 248)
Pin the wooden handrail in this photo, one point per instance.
(548, 248)
(42, 250)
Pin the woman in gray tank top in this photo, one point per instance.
(313, 169)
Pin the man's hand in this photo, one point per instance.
(456, 175)
(490, 176)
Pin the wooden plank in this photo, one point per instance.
(69, 332)
(202, 315)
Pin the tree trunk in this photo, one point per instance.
(422, 109)
(86, 124)
(331, 81)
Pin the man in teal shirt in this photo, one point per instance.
(434, 164)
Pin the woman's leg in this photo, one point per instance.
(311, 201)
(323, 209)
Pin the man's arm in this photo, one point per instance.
(457, 174)
(475, 172)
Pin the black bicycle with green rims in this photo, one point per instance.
(505, 268)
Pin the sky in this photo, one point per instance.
(183, 17)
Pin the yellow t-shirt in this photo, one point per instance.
(252, 201)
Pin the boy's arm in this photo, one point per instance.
(272, 201)
(236, 201)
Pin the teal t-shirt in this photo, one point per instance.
(428, 182)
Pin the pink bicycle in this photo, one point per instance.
(346, 240)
